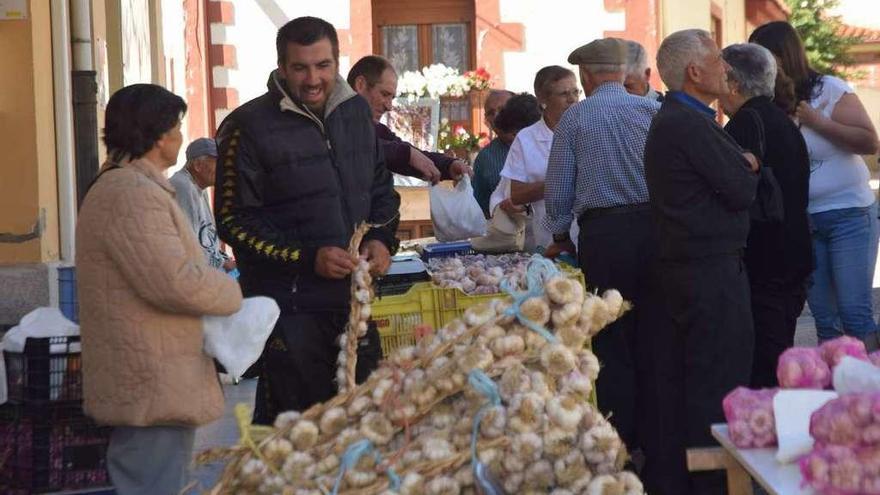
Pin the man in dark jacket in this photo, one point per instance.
(374, 78)
(701, 186)
(299, 168)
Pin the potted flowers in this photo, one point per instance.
(456, 140)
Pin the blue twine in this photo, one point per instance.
(487, 388)
(353, 454)
(539, 270)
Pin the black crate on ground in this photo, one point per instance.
(45, 448)
(49, 369)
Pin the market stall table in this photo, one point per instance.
(761, 464)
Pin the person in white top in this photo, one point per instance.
(526, 164)
(842, 207)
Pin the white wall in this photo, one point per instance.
(253, 35)
(174, 46)
(136, 66)
(551, 34)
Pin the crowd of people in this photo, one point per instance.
(717, 234)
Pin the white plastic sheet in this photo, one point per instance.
(238, 340)
(792, 410)
(853, 375)
(455, 212)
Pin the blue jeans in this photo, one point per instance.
(845, 246)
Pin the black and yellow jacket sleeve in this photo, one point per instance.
(239, 206)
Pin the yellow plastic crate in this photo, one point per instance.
(395, 316)
(425, 303)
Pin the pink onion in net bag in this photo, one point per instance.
(852, 419)
(835, 350)
(842, 470)
(803, 367)
(750, 418)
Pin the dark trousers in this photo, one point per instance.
(706, 353)
(617, 251)
(775, 310)
(299, 363)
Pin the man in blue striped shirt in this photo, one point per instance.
(595, 174)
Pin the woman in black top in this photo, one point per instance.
(779, 255)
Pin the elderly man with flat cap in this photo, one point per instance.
(190, 184)
(595, 175)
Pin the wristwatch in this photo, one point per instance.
(565, 237)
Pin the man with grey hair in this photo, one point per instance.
(701, 186)
(190, 184)
(638, 73)
(595, 175)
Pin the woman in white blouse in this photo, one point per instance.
(526, 164)
(842, 207)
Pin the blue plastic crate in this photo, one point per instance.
(443, 249)
(67, 300)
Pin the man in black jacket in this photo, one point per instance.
(701, 186)
(374, 78)
(299, 168)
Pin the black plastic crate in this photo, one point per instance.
(49, 369)
(50, 448)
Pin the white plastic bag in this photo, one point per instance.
(792, 410)
(238, 340)
(852, 376)
(39, 323)
(455, 212)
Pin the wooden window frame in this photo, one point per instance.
(424, 14)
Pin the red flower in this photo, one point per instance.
(459, 129)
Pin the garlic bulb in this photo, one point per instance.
(562, 290)
(540, 476)
(558, 359)
(570, 468)
(565, 411)
(509, 345)
(443, 485)
(412, 484)
(536, 310)
(559, 442)
(566, 315)
(333, 421)
(286, 419)
(359, 405)
(527, 446)
(300, 466)
(494, 422)
(377, 428)
(526, 413)
(277, 449)
(304, 435)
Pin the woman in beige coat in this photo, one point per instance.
(144, 285)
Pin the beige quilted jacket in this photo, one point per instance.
(143, 286)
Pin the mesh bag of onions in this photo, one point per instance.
(803, 367)
(496, 401)
(835, 350)
(842, 470)
(750, 418)
(852, 419)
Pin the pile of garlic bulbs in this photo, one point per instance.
(479, 273)
(417, 411)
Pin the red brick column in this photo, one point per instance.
(222, 99)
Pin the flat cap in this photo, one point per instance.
(201, 147)
(611, 51)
